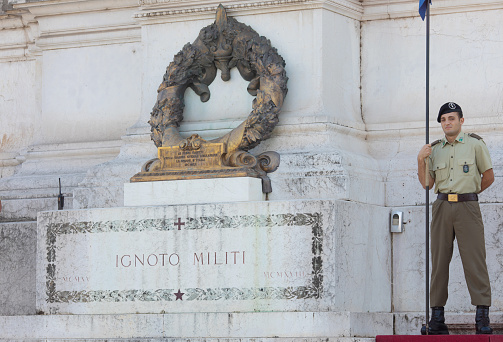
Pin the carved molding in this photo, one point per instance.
(207, 2)
(10, 159)
(393, 9)
(89, 37)
(183, 7)
(12, 53)
(65, 23)
(167, 10)
(156, 2)
(176, 10)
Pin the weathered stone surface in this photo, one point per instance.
(459, 323)
(350, 129)
(248, 256)
(341, 326)
(394, 102)
(409, 267)
(190, 191)
(275, 339)
(17, 268)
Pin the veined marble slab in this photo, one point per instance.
(17, 268)
(252, 256)
(190, 191)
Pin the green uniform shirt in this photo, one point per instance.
(457, 167)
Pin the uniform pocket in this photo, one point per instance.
(441, 171)
(466, 166)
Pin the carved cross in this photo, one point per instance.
(179, 224)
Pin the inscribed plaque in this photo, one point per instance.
(208, 156)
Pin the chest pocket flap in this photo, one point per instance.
(466, 161)
(466, 166)
(441, 171)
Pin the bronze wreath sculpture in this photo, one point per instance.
(223, 45)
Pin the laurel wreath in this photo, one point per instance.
(223, 45)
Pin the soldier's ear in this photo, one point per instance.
(462, 120)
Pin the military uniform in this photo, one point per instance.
(457, 169)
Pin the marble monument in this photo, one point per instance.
(78, 81)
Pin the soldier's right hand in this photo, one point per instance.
(424, 152)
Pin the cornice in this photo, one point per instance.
(97, 149)
(349, 8)
(181, 9)
(89, 37)
(36, 17)
(177, 10)
(211, 3)
(395, 9)
(56, 7)
(61, 24)
(15, 53)
(153, 11)
(14, 39)
(9, 159)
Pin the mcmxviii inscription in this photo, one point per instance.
(274, 229)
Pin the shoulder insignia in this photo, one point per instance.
(473, 135)
(435, 142)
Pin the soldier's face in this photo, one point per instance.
(451, 123)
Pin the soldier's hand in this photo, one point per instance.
(424, 152)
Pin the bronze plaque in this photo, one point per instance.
(208, 156)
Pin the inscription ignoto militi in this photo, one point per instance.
(62, 287)
(223, 45)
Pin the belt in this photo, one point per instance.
(458, 197)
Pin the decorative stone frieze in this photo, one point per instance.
(393, 9)
(167, 10)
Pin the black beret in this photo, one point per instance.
(449, 107)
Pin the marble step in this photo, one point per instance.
(439, 338)
(459, 323)
(291, 326)
(469, 329)
(331, 339)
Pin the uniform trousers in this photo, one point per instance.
(463, 221)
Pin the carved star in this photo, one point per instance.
(179, 295)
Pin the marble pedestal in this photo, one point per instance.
(214, 190)
(287, 269)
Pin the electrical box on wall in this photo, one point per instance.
(397, 223)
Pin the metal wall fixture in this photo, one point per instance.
(397, 224)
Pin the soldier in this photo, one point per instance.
(461, 168)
